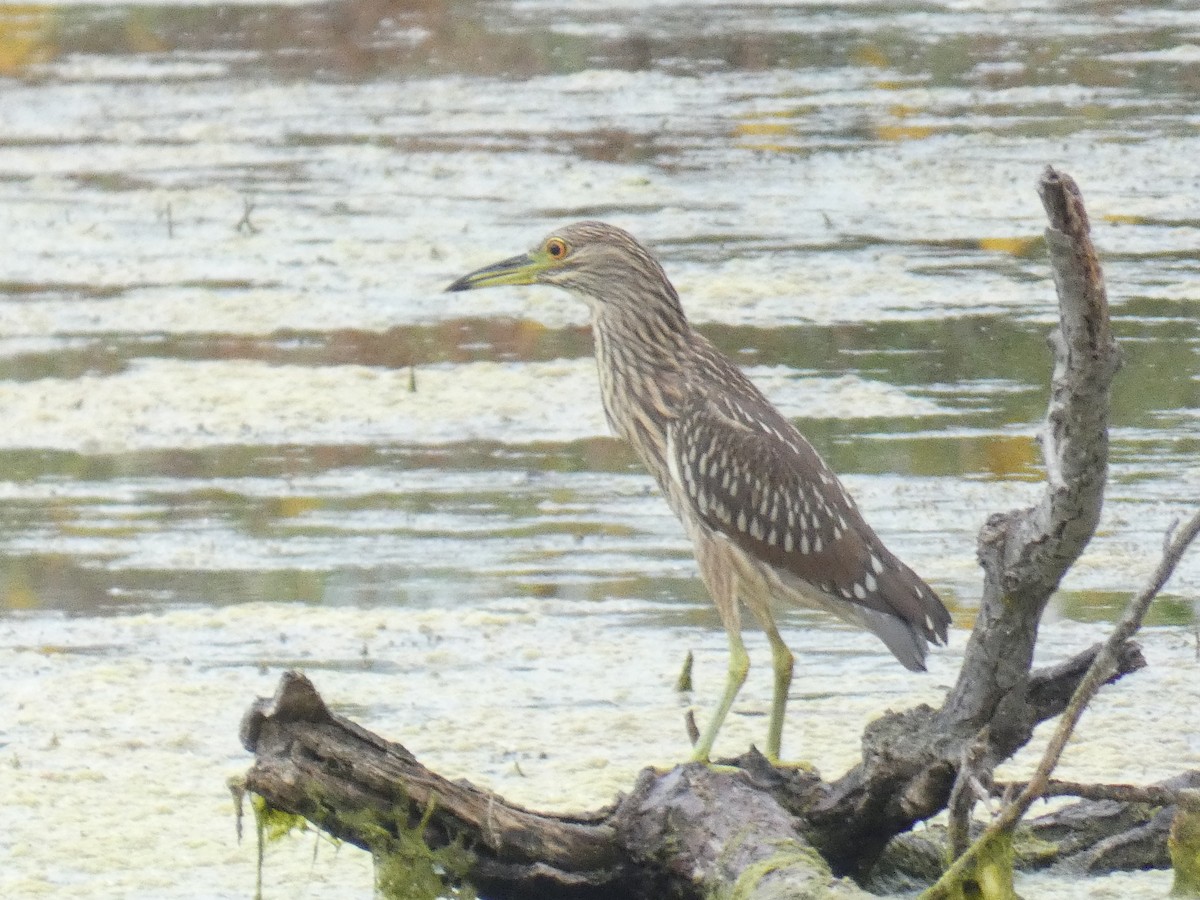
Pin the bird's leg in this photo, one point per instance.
(782, 660)
(739, 665)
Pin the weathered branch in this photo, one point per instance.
(910, 760)
(1105, 663)
(1025, 553)
(906, 759)
(1050, 688)
(1099, 671)
(692, 832)
(1154, 794)
(672, 829)
(1119, 828)
(1048, 695)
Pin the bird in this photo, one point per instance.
(768, 519)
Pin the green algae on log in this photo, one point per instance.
(1184, 845)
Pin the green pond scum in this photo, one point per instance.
(789, 853)
(1184, 845)
(271, 824)
(407, 868)
(991, 878)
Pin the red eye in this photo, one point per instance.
(556, 247)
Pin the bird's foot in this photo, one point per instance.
(702, 757)
(758, 764)
(725, 768)
(795, 765)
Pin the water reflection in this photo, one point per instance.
(361, 523)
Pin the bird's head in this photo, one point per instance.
(600, 262)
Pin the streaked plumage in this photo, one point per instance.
(768, 518)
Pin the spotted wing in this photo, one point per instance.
(750, 475)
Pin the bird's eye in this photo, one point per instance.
(556, 247)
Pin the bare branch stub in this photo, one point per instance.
(1025, 553)
(1063, 202)
(1051, 687)
(910, 759)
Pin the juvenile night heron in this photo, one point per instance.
(767, 517)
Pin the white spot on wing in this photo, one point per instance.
(672, 460)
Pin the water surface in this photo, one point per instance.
(246, 430)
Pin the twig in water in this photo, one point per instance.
(244, 223)
(689, 723)
(684, 682)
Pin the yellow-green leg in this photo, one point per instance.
(739, 665)
(782, 660)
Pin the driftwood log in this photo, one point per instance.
(755, 831)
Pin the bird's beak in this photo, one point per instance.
(523, 269)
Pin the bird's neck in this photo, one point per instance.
(642, 360)
(656, 334)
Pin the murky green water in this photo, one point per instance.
(244, 428)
